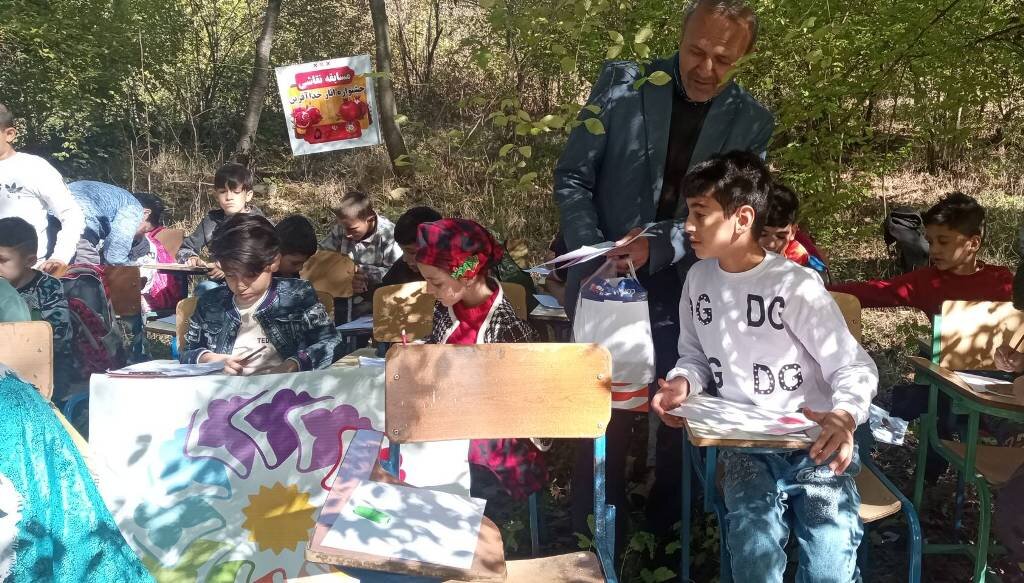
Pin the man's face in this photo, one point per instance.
(355, 229)
(409, 256)
(7, 137)
(776, 239)
(14, 265)
(711, 232)
(234, 201)
(950, 250)
(292, 263)
(709, 49)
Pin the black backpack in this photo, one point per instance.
(903, 231)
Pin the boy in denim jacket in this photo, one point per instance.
(258, 324)
(762, 330)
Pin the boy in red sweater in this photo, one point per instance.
(954, 228)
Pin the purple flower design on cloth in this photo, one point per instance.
(211, 434)
(271, 420)
(323, 425)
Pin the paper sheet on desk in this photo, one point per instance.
(364, 323)
(550, 302)
(983, 384)
(734, 416)
(421, 525)
(582, 255)
(167, 368)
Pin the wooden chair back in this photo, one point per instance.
(171, 239)
(331, 272)
(125, 285)
(967, 334)
(408, 306)
(850, 307)
(405, 306)
(27, 349)
(436, 392)
(182, 314)
(328, 302)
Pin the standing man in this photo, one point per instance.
(113, 220)
(607, 185)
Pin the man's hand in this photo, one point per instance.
(638, 251)
(670, 395)
(232, 364)
(359, 282)
(1008, 359)
(836, 438)
(52, 266)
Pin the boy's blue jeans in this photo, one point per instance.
(769, 494)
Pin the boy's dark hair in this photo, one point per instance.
(231, 176)
(733, 179)
(6, 117)
(152, 202)
(959, 212)
(783, 207)
(16, 233)
(297, 235)
(354, 205)
(410, 221)
(245, 243)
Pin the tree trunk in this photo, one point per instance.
(258, 85)
(385, 95)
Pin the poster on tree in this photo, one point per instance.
(329, 105)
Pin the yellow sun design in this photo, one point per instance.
(278, 518)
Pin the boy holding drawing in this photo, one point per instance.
(258, 323)
(764, 331)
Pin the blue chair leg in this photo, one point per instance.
(534, 524)
(391, 465)
(914, 540)
(174, 348)
(710, 482)
(604, 515)
(958, 514)
(684, 527)
(724, 557)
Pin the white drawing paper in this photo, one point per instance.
(734, 416)
(168, 368)
(425, 525)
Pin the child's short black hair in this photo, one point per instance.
(152, 202)
(245, 243)
(18, 234)
(733, 179)
(233, 176)
(410, 221)
(354, 205)
(783, 207)
(959, 212)
(297, 236)
(6, 117)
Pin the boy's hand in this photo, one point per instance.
(52, 266)
(670, 395)
(836, 438)
(232, 364)
(195, 261)
(1008, 359)
(215, 272)
(359, 282)
(285, 367)
(638, 251)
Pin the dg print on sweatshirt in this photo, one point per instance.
(771, 336)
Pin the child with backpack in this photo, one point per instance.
(42, 293)
(258, 324)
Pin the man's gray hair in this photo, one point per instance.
(738, 10)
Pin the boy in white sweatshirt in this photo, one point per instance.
(30, 188)
(763, 330)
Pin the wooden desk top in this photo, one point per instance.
(703, 434)
(177, 268)
(951, 380)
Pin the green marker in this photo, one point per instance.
(373, 515)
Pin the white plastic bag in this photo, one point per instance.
(612, 311)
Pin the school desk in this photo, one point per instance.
(980, 465)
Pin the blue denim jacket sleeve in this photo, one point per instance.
(320, 342)
(195, 340)
(122, 234)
